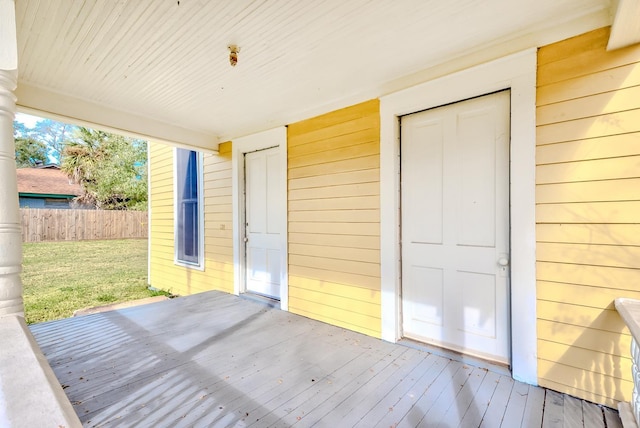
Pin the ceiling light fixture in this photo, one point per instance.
(233, 54)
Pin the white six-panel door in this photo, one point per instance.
(262, 222)
(455, 226)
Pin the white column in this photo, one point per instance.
(10, 234)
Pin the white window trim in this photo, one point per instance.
(149, 214)
(201, 258)
(515, 72)
(276, 137)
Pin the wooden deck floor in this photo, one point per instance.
(214, 360)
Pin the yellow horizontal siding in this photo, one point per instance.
(218, 247)
(158, 155)
(367, 310)
(337, 265)
(340, 191)
(217, 175)
(338, 216)
(595, 276)
(583, 337)
(213, 191)
(589, 254)
(582, 316)
(350, 279)
(218, 183)
(335, 179)
(338, 228)
(596, 148)
(329, 316)
(600, 191)
(164, 174)
(579, 358)
(306, 134)
(590, 127)
(340, 142)
(348, 203)
(593, 40)
(336, 240)
(582, 295)
(590, 170)
(594, 105)
(338, 166)
(342, 116)
(608, 80)
(330, 155)
(357, 254)
(582, 56)
(335, 288)
(225, 148)
(334, 215)
(595, 387)
(587, 211)
(604, 234)
(592, 212)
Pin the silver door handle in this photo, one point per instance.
(246, 239)
(503, 261)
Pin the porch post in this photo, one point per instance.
(10, 233)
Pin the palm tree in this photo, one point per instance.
(111, 169)
(81, 158)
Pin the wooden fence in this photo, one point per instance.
(76, 225)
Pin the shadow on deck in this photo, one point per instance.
(214, 359)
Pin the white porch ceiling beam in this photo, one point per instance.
(40, 101)
(625, 30)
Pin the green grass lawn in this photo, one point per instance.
(60, 277)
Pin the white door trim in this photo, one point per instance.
(276, 137)
(518, 73)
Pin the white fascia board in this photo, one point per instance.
(42, 102)
(625, 30)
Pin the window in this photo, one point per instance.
(188, 208)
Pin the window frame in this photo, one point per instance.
(178, 181)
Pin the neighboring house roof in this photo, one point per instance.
(46, 181)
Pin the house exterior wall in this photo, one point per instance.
(42, 202)
(587, 206)
(218, 246)
(334, 217)
(587, 214)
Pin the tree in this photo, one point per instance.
(19, 129)
(54, 135)
(30, 152)
(111, 169)
(46, 132)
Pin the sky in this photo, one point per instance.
(28, 120)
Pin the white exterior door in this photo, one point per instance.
(263, 217)
(455, 226)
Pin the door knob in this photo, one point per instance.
(503, 261)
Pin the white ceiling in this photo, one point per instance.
(161, 69)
